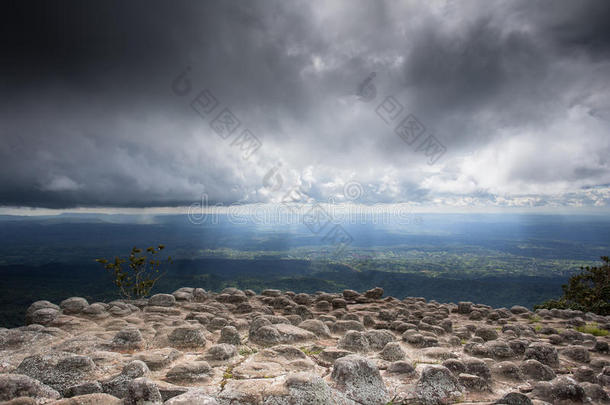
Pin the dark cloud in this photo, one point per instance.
(517, 92)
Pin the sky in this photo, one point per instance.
(436, 105)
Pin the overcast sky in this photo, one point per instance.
(516, 94)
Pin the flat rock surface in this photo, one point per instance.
(278, 347)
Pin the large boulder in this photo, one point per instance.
(577, 353)
(230, 335)
(264, 333)
(360, 380)
(143, 391)
(379, 338)
(544, 353)
(17, 385)
(437, 385)
(43, 304)
(73, 305)
(354, 341)
(221, 351)
(392, 352)
(118, 385)
(560, 390)
(307, 388)
(535, 370)
(486, 333)
(162, 300)
(186, 337)
(59, 371)
(316, 326)
(374, 294)
(128, 338)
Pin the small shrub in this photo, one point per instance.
(593, 329)
(534, 319)
(311, 352)
(246, 351)
(136, 276)
(588, 291)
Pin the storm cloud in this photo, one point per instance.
(93, 112)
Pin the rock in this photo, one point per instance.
(95, 310)
(514, 398)
(73, 305)
(499, 349)
(302, 299)
(401, 367)
(57, 371)
(582, 374)
(90, 387)
(518, 346)
(90, 399)
(577, 353)
(291, 342)
(339, 303)
(534, 370)
(464, 308)
(230, 335)
(143, 391)
(354, 341)
(292, 334)
(194, 397)
(199, 295)
(194, 371)
(374, 294)
(307, 388)
(604, 376)
(559, 389)
(162, 300)
(315, 326)
(271, 293)
(392, 352)
(437, 385)
(601, 347)
(518, 309)
(331, 354)
(17, 385)
(455, 366)
(344, 326)
(187, 337)
(360, 380)
(266, 336)
(473, 382)
(509, 370)
(222, 351)
(595, 392)
(128, 338)
(42, 316)
(118, 385)
(160, 358)
(350, 295)
(544, 353)
(36, 306)
(478, 368)
(486, 333)
(379, 338)
(217, 323)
